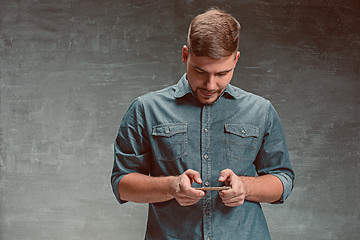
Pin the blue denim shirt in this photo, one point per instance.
(166, 132)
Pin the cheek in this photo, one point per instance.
(195, 79)
(224, 82)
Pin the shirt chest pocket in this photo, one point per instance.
(170, 141)
(241, 141)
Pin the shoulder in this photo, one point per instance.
(249, 99)
(164, 94)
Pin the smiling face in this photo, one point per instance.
(208, 77)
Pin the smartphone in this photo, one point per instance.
(213, 188)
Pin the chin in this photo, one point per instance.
(207, 101)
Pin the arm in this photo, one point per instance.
(276, 176)
(141, 188)
(266, 188)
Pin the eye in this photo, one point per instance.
(199, 71)
(221, 74)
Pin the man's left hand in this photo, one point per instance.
(236, 195)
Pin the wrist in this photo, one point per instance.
(172, 185)
(246, 184)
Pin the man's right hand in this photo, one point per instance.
(182, 191)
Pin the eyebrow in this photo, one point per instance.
(202, 70)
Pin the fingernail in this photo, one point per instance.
(221, 178)
(202, 194)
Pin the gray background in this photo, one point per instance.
(69, 69)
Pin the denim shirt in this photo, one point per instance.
(166, 132)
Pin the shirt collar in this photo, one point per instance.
(232, 91)
(183, 88)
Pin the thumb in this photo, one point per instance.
(225, 174)
(194, 175)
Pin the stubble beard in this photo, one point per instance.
(207, 97)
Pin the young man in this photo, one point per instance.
(203, 132)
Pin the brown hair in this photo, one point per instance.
(213, 34)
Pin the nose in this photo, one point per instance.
(211, 82)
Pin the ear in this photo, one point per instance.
(237, 56)
(185, 53)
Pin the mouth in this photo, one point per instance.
(207, 94)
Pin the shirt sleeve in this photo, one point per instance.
(131, 146)
(273, 157)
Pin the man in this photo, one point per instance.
(203, 132)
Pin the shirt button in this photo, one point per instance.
(206, 156)
(206, 130)
(243, 131)
(207, 183)
(167, 131)
(207, 212)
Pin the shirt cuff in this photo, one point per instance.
(115, 186)
(287, 183)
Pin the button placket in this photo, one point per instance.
(206, 169)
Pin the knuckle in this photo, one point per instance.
(236, 192)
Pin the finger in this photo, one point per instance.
(226, 195)
(186, 200)
(191, 193)
(194, 175)
(232, 201)
(225, 174)
(237, 201)
(196, 193)
(231, 194)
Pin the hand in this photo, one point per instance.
(236, 195)
(182, 191)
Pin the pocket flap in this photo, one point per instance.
(242, 130)
(169, 129)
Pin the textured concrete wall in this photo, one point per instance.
(69, 69)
